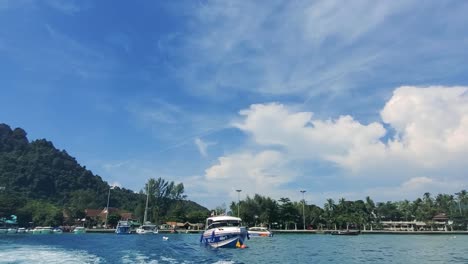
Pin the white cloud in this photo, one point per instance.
(263, 172)
(284, 47)
(203, 146)
(428, 149)
(431, 124)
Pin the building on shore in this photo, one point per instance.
(439, 222)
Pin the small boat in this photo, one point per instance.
(146, 229)
(259, 232)
(123, 227)
(57, 231)
(79, 230)
(42, 230)
(346, 233)
(37, 230)
(21, 230)
(12, 230)
(224, 232)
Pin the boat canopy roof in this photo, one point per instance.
(223, 218)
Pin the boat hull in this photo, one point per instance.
(260, 234)
(224, 239)
(123, 227)
(123, 230)
(147, 230)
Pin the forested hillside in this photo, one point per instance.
(36, 174)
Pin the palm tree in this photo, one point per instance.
(329, 212)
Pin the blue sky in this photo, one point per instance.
(342, 99)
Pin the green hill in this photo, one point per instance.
(36, 174)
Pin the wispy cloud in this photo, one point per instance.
(283, 47)
(203, 146)
(319, 50)
(68, 7)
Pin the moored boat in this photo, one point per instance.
(346, 233)
(79, 230)
(57, 231)
(12, 230)
(42, 230)
(257, 231)
(224, 231)
(123, 227)
(146, 229)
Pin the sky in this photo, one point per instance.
(343, 99)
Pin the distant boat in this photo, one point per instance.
(41, 230)
(12, 230)
(57, 231)
(224, 231)
(21, 230)
(123, 227)
(259, 232)
(79, 230)
(146, 229)
(346, 233)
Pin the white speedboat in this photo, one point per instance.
(224, 231)
(257, 231)
(147, 229)
(21, 230)
(123, 227)
(79, 230)
(57, 231)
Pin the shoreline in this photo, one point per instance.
(373, 232)
(318, 232)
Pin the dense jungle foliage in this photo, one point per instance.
(41, 184)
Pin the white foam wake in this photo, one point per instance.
(43, 254)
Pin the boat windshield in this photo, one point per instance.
(223, 223)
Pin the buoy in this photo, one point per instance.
(165, 238)
(238, 244)
(243, 246)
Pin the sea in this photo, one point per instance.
(186, 248)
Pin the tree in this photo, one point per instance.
(113, 219)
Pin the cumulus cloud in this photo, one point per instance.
(262, 172)
(425, 147)
(431, 124)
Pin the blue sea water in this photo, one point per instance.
(185, 248)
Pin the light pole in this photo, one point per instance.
(303, 207)
(107, 207)
(238, 202)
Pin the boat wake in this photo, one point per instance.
(44, 254)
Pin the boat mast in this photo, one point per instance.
(146, 207)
